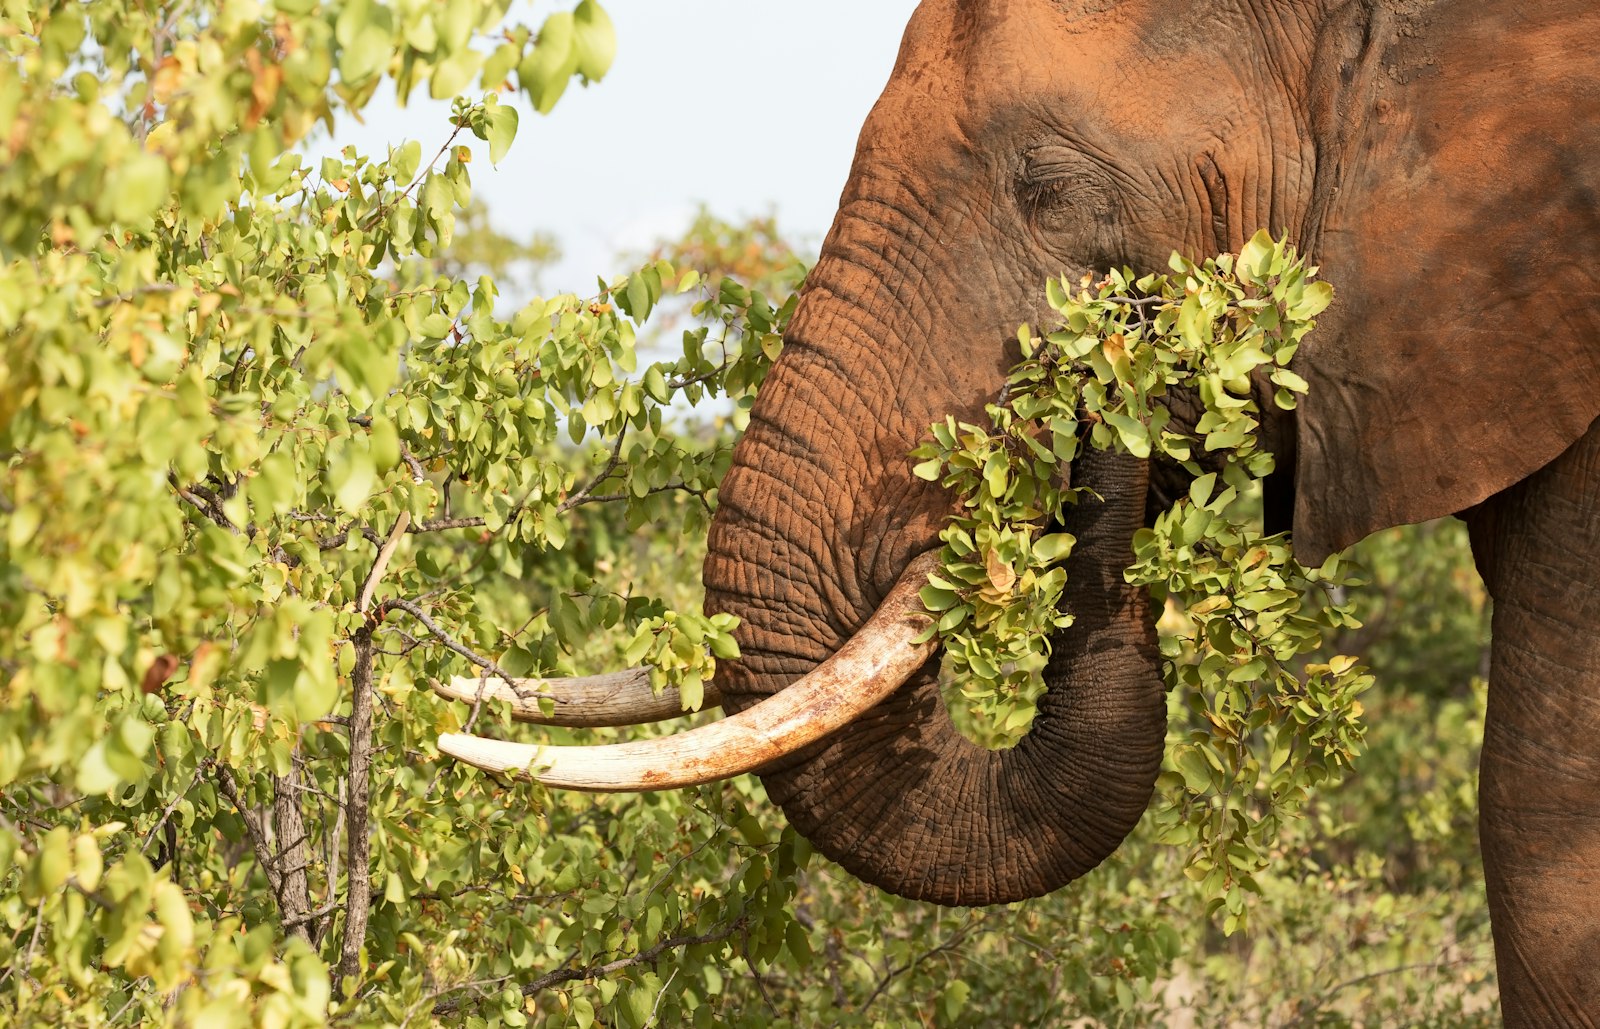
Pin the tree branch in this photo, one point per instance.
(358, 848)
(208, 507)
(599, 971)
(380, 565)
(955, 940)
(581, 497)
(177, 798)
(252, 826)
(289, 825)
(445, 638)
(449, 523)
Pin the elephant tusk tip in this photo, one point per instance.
(488, 755)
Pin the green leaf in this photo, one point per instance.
(137, 188)
(366, 54)
(594, 40)
(954, 998)
(1193, 325)
(1314, 301)
(639, 302)
(691, 693)
(1254, 257)
(751, 831)
(350, 476)
(454, 74)
(385, 444)
(54, 861)
(546, 71)
(502, 129)
(1191, 764)
(797, 943)
(94, 772)
(1052, 548)
(437, 198)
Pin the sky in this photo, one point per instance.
(749, 106)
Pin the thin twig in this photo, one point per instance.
(1307, 1008)
(449, 523)
(614, 498)
(150, 287)
(580, 498)
(656, 1009)
(382, 211)
(177, 798)
(331, 849)
(380, 565)
(418, 473)
(446, 639)
(342, 537)
(644, 957)
(213, 512)
(311, 916)
(954, 941)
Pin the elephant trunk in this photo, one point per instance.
(902, 800)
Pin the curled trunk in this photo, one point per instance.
(901, 799)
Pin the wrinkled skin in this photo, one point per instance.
(1441, 162)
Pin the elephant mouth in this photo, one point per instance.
(887, 651)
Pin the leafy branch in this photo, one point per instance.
(1099, 378)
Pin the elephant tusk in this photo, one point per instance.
(593, 701)
(874, 663)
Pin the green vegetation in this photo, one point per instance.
(272, 457)
(1273, 727)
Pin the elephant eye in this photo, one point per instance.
(1059, 188)
(1048, 163)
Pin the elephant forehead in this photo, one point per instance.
(972, 71)
(994, 50)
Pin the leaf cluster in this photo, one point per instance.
(1123, 346)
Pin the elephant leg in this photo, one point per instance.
(1538, 547)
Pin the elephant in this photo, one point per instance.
(1440, 161)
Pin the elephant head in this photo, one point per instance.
(1022, 139)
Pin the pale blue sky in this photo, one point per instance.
(743, 104)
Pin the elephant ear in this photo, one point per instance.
(1458, 216)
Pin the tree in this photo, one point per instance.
(268, 470)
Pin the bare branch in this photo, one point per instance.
(147, 288)
(613, 498)
(211, 508)
(449, 523)
(342, 537)
(382, 563)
